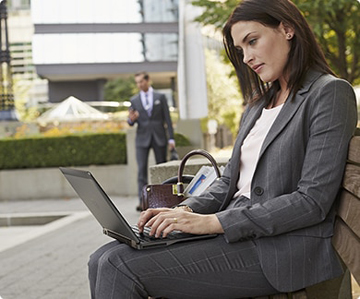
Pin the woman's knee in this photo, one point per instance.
(95, 257)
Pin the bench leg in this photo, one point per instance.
(338, 288)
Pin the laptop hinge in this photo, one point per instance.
(119, 237)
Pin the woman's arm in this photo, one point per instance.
(299, 192)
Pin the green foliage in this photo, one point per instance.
(335, 24)
(21, 94)
(215, 12)
(181, 140)
(120, 89)
(337, 28)
(70, 150)
(224, 99)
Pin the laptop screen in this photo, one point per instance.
(97, 201)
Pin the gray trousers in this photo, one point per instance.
(207, 269)
(142, 159)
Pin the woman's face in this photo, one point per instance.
(265, 49)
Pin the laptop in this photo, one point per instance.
(112, 221)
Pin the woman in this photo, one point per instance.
(273, 208)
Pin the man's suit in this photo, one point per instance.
(151, 133)
(298, 174)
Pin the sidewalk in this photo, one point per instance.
(50, 261)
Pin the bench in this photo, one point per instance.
(346, 239)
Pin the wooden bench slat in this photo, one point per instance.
(354, 149)
(347, 244)
(301, 294)
(351, 180)
(349, 211)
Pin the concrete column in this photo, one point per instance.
(191, 64)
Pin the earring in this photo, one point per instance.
(289, 36)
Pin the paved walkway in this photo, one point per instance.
(50, 261)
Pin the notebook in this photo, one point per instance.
(110, 218)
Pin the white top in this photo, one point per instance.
(250, 149)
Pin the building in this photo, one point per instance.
(80, 44)
(28, 87)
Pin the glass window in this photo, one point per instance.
(160, 10)
(104, 11)
(87, 48)
(85, 11)
(161, 47)
(104, 48)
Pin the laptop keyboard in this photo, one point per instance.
(145, 235)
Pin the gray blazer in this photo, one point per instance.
(291, 211)
(154, 126)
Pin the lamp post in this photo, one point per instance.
(7, 106)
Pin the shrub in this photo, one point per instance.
(68, 150)
(181, 140)
(72, 150)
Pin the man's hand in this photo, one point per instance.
(133, 115)
(171, 144)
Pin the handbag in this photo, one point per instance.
(168, 194)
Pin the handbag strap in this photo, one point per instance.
(180, 185)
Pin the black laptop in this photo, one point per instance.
(112, 221)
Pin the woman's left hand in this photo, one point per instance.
(162, 221)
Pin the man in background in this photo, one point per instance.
(149, 109)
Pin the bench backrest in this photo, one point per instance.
(346, 238)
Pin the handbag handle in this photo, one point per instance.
(180, 185)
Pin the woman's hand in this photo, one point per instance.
(162, 221)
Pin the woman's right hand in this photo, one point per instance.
(163, 220)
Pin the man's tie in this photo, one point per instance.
(147, 107)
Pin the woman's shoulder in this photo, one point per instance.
(327, 89)
(321, 80)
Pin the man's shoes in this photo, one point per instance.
(139, 208)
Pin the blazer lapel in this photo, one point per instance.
(251, 118)
(247, 125)
(156, 102)
(144, 112)
(288, 111)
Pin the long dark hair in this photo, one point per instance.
(304, 54)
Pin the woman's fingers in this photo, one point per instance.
(164, 225)
(164, 221)
(146, 216)
(186, 222)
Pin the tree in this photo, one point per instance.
(224, 99)
(335, 24)
(337, 28)
(215, 12)
(120, 89)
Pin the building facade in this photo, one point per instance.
(78, 45)
(28, 87)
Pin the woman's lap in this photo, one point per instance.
(208, 268)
